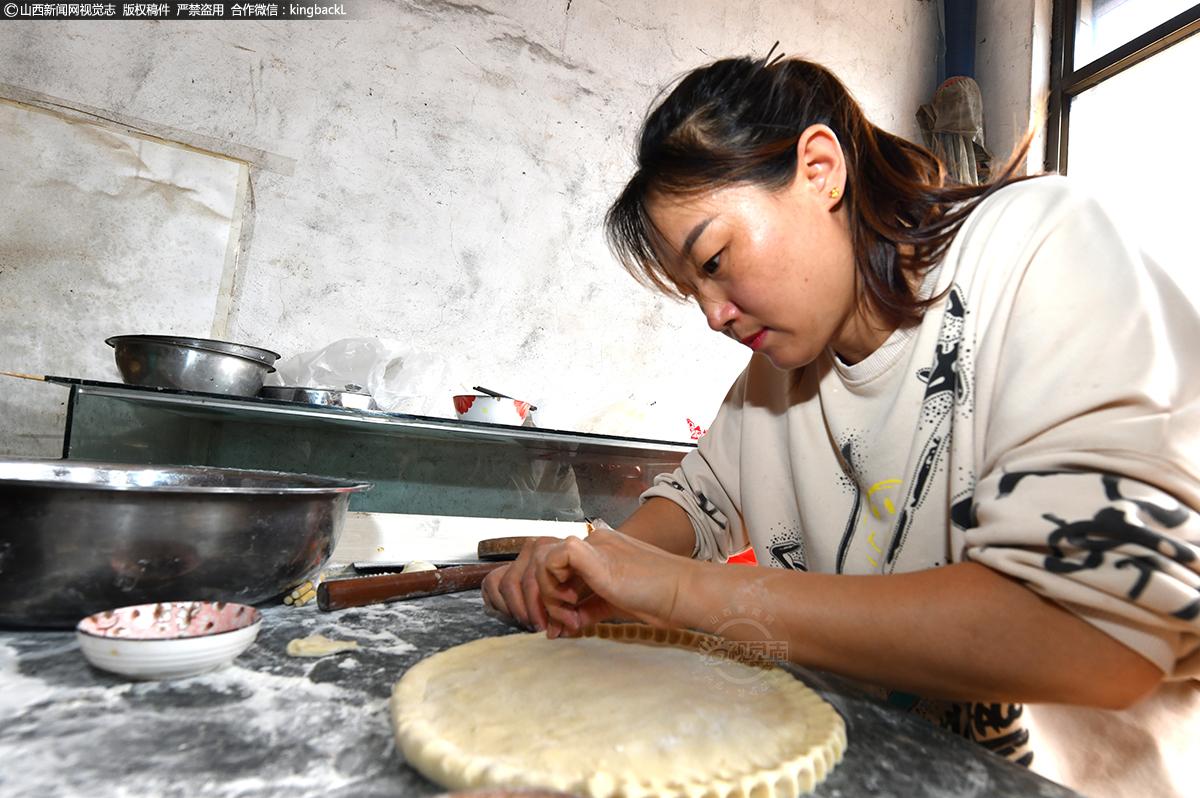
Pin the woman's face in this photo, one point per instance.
(773, 270)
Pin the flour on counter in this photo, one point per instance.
(20, 691)
(354, 623)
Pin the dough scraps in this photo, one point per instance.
(317, 646)
(629, 712)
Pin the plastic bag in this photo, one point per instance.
(399, 378)
(629, 419)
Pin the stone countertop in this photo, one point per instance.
(274, 725)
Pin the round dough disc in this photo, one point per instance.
(627, 712)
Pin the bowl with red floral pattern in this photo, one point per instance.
(169, 639)
(491, 409)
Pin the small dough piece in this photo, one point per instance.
(317, 646)
(418, 565)
(630, 713)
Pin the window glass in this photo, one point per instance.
(1132, 143)
(1104, 25)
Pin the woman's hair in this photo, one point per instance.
(738, 121)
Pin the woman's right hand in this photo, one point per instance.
(513, 589)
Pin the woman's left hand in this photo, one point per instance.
(609, 575)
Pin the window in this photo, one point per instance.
(1124, 113)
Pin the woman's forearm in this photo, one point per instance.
(961, 631)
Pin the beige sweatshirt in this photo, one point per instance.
(1043, 419)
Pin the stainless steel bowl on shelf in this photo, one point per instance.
(80, 537)
(192, 364)
(352, 398)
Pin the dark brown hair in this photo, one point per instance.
(738, 121)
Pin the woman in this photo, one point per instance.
(966, 444)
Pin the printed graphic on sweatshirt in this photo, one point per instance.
(787, 548)
(1101, 532)
(705, 504)
(872, 512)
(947, 384)
(881, 512)
(892, 503)
(854, 522)
(998, 727)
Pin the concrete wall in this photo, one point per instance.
(1012, 65)
(436, 172)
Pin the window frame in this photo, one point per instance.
(1066, 82)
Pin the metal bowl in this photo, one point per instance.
(79, 537)
(192, 364)
(350, 399)
(244, 350)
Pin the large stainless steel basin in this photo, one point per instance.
(80, 537)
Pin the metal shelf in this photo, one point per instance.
(419, 465)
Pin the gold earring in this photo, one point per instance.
(833, 192)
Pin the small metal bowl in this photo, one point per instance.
(168, 640)
(352, 398)
(80, 537)
(192, 364)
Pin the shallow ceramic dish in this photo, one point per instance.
(491, 409)
(168, 640)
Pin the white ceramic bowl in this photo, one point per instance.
(490, 409)
(168, 640)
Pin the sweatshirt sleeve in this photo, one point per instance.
(1088, 432)
(706, 484)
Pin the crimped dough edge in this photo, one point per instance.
(442, 762)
